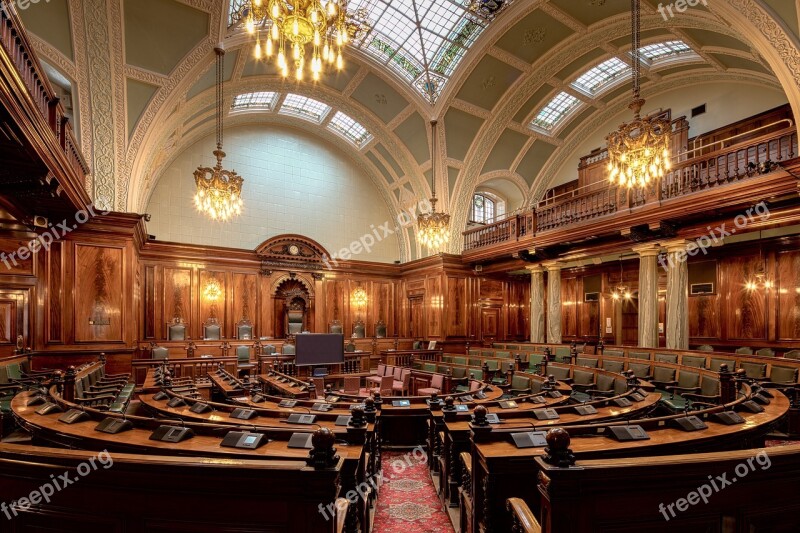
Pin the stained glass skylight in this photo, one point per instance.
(594, 79)
(656, 51)
(558, 108)
(422, 41)
(350, 129)
(304, 107)
(257, 100)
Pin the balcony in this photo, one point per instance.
(37, 122)
(726, 177)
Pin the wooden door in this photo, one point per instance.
(490, 321)
(416, 306)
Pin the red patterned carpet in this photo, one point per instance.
(407, 502)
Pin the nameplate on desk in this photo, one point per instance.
(171, 434)
(636, 396)
(243, 414)
(480, 395)
(287, 403)
(73, 416)
(538, 399)
(48, 408)
(729, 418)
(467, 398)
(342, 420)
(297, 418)
(585, 409)
(554, 394)
(531, 439)
(323, 407)
(114, 425)
(332, 399)
(627, 433)
(492, 418)
(622, 402)
(300, 440)
(545, 414)
(508, 404)
(357, 406)
(244, 440)
(200, 408)
(257, 398)
(690, 423)
(401, 403)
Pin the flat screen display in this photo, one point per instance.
(319, 349)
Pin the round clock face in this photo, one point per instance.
(294, 250)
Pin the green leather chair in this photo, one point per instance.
(666, 358)
(705, 348)
(766, 352)
(613, 366)
(642, 370)
(744, 350)
(639, 355)
(588, 362)
(459, 360)
(782, 376)
(561, 373)
(715, 363)
(694, 361)
(520, 385)
(755, 370)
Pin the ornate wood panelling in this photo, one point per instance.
(456, 306)
(151, 324)
(11, 262)
(788, 290)
(570, 289)
(745, 317)
(99, 310)
(55, 293)
(177, 296)
(704, 317)
(8, 320)
(435, 303)
(244, 299)
(212, 304)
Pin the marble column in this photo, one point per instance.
(537, 303)
(677, 295)
(648, 295)
(553, 303)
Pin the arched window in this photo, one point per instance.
(483, 209)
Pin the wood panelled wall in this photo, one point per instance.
(732, 315)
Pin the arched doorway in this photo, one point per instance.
(293, 308)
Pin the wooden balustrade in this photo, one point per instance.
(408, 358)
(728, 165)
(182, 368)
(512, 228)
(20, 51)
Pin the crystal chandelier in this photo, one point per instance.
(219, 191)
(433, 229)
(292, 25)
(359, 297)
(638, 152)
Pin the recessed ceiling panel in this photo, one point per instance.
(461, 129)
(138, 95)
(414, 134)
(581, 64)
(505, 150)
(490, 80)
(379, 97)
(534, 101)
(741, 63)
(534, 36)
(50, 21)
(706, 38)
(534, 160)
(209, 79)
(159, 33)
(589, 12)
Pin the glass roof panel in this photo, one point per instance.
(594, 79)
(656, 51)
(304, 107)
(258, 100)
(352, 130)
(555, 111)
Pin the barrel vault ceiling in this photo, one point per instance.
(141, 77)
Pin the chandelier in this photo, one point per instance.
(638, 152)
(433, 229)
(219, 191)
(359, 297)
(291, 26)
(213, 290)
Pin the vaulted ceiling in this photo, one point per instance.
(513, 103)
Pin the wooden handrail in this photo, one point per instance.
(522, 518)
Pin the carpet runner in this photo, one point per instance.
(407, 502)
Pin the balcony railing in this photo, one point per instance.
(725, 166)
(20, 52)
(511, 228)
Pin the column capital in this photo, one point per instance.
(675, 245)
(647, 250)
(553, 266)
(534, 269)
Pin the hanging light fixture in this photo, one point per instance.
(433, 229)
(219, 191)
(285, 28)
(621, 291)
(638, 152)
(760, 280)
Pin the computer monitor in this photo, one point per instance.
(319, 349)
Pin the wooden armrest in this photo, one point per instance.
(106, 397)
(98, 393)
(682, 389)
(663, 384)
(596, 392)
(713, 400)
(583, 388)
(522, 517)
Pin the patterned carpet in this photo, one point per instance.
(407, 502)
